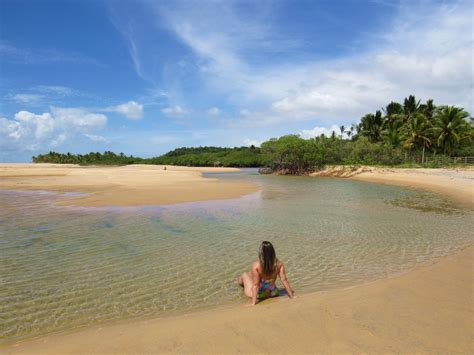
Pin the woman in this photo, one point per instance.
(260, 283)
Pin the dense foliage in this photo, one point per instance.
(407, 133)
(202, 156)
(411, 133)
(212, 156)
(107, 158)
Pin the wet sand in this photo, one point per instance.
(426, 310)
(123, 186)
(457, 183)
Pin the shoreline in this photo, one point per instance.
(425, 309)
(456, 184)
(131, 185)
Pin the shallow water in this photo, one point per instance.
(67, 267)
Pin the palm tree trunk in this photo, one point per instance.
(423, 154)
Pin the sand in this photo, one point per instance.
(123, 186)
(426, 310)
(456, 184)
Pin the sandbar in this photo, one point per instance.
(124, 185)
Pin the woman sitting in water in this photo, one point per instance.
(260, 283)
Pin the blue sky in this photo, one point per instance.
(144, 77)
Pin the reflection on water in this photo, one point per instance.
(65, 267)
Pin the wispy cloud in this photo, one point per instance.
(214, 111)
(56, 90)
(19, 55)
(176, 110)
(26, 99)
(423, 50)
(96, 138)
(43, 95)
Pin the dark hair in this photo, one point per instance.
(267, 258)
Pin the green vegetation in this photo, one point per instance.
(405, 134)
(202, 156)
(108, 158)
(410, 134)
(212, 156)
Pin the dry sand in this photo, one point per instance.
(123, 186)
(427, 310)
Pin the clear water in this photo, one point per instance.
(68, 267)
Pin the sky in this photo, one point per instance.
(145, 77)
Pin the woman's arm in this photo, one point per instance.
(256, 284)
(285, 282)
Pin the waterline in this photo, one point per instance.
(77, 266)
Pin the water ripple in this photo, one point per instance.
(67, 267)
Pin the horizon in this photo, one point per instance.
(145, 78)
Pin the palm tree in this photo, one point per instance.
(371, 126)
(342, 128)
(410, 108)
(428, 110)
(392, 134)
(393, 108)
(451, 127)
(418, 131)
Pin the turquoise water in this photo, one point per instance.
(68, 267)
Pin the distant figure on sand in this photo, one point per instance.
(260, 282)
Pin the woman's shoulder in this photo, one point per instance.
(256, 265)
(279, 264)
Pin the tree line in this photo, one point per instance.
(400, 133)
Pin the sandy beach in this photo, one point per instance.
(122, 186)
(426, 310)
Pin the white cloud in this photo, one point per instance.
(60, 139)
(131, 109)
(174, 110)
(40, 125)
(28, 131)
(317, 131)
(214, 111)
(78, 118)
(248, 142)
(425, 49)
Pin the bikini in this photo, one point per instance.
(267, 289)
